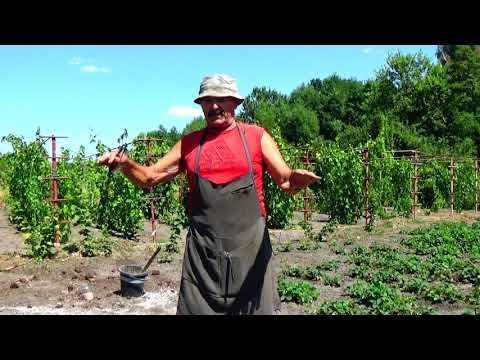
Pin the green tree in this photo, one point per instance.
(196, 124)
(258, 96)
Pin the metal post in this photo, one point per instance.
(55, 187)
(153, 220)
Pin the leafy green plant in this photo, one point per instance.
(384, 300)
(328, 265)
(443, 293)
(97, 245)
(307, 245)
(280, 205)
(332, 280)
(464, 185)
(414, 285)
(340, 307)
(284, 247)
(474, 297)
(313, 273)
(294, 271)
(339, 191)
(300, 292)
(435, 185)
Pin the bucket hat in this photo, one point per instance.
(218, 85)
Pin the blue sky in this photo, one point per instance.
(68, 90)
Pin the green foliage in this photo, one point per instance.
(340, 307)
(286, 246)
(414, 285)
(465, 185)
(294, 271)
(97, 245)
(332, 280)
(434, 185)
(389, 180)
(258, 97)
(307, 245)
(313, 238)
(195, 125)
(299, 124)
(443, 293)
(170, 198)
(339, 191)
(313, 273)
(328, 265)
(474, 297)
(300, 292)
(27, 168)
(382, 299)
(279, 204)
(445, 239)
(96, 198)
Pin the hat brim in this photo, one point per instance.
(238, 98)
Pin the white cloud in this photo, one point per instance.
(90, 67)
(367, 50)
(76, 60)
(184, 111)
(94, 68)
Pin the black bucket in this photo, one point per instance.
(132, 280)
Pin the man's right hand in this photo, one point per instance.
(115, 159)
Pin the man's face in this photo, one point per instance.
(218, 111)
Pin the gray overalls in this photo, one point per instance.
(227, 263)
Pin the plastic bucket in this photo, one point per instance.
(132, 280)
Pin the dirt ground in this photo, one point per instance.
(53, 287)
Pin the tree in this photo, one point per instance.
(253, 101)
(299, 124)
(463, 74)
(197, 123)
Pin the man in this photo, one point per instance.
(227, 267)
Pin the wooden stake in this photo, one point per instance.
(452, 194)
(476, 186)
(306, 197)
(366, 182)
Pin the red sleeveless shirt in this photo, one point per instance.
(223, 157)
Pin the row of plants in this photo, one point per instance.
(427, 267)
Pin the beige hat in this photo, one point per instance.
(218, 85)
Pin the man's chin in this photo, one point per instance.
(217, 123)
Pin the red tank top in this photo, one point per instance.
(223, 157)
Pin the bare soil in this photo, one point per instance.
(53, 286)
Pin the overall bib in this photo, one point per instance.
(227, 266)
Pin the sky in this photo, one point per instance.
(74, 91)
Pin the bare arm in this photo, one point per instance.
(287, 179)
(146, 176)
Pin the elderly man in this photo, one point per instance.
(227, 267)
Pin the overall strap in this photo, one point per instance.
(247, 150)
